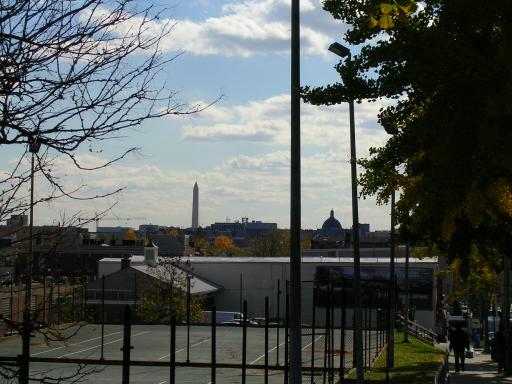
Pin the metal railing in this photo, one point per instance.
(418, 331)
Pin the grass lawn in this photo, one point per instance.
(415, 362)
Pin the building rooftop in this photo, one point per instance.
(305, 260)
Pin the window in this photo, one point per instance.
(33, 303)
(6, 306)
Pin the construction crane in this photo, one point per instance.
(110, 218)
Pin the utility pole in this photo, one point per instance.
(392, 279)
(295, 205)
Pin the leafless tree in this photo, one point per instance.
(74, 73)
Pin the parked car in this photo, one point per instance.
(272, 321)
(222, 317)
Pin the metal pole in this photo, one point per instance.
(135, 298)
(126, 344)
(73, 296)
(278, 319)
(213, 377)
(188, 318)
(505, 313)
(370, 300)
(392, 301)
(102, 314)
(172, 370)
(313, 335)
(406, 322)
(240, 298)
(358, 332)
(44, 299)
(25, 360)
(58, 298)
(266, 338)
(342, 330)
(50, 305)
(286, 336)
(244, 343)
(295, 205)
(11, 300)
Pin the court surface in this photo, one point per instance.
(152, 343)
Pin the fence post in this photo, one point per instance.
(172, 373)
(102, 314)
(85, 299)
(188, 317)
(313, 326)
(214, 345)
(244, 342)
(286, 331)
(278, 319)
(58, 300)
(343, 326)
(331, 330)
(127, 343)
(327, 328)
(365, 333)
(73, 298)
(388, 330)
(266, 339)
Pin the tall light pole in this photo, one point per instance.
(295, 305)
(33, 147)
(406, 322)
(392, 279)
(342, 52)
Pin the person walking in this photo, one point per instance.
(458, 342)
(499, 344)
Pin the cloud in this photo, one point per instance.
(268, 121)
(247, 28)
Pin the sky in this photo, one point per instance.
(237, 150)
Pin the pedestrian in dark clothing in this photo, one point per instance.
(458, 342)
(499, 344)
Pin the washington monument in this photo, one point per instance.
(195, 207)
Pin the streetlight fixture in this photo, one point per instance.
(343, 52)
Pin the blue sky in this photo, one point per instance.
(238, 149)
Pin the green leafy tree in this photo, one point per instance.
(201, 245)
(447, 71)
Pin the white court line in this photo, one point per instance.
(270, 350)
(162, 382)
(97, 346)
(66, 346)
(182, 349)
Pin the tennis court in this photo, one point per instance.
(152, 344)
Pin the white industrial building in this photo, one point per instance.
(253, 278)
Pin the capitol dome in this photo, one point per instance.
(331, 223)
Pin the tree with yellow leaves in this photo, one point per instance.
(385, 13)
(223, 245)
(130, 234)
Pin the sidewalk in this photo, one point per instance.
(480, 369)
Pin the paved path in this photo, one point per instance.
(480, 369)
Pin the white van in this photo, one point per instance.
(223, 317)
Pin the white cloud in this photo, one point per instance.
(247, 28)
(268, 121)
